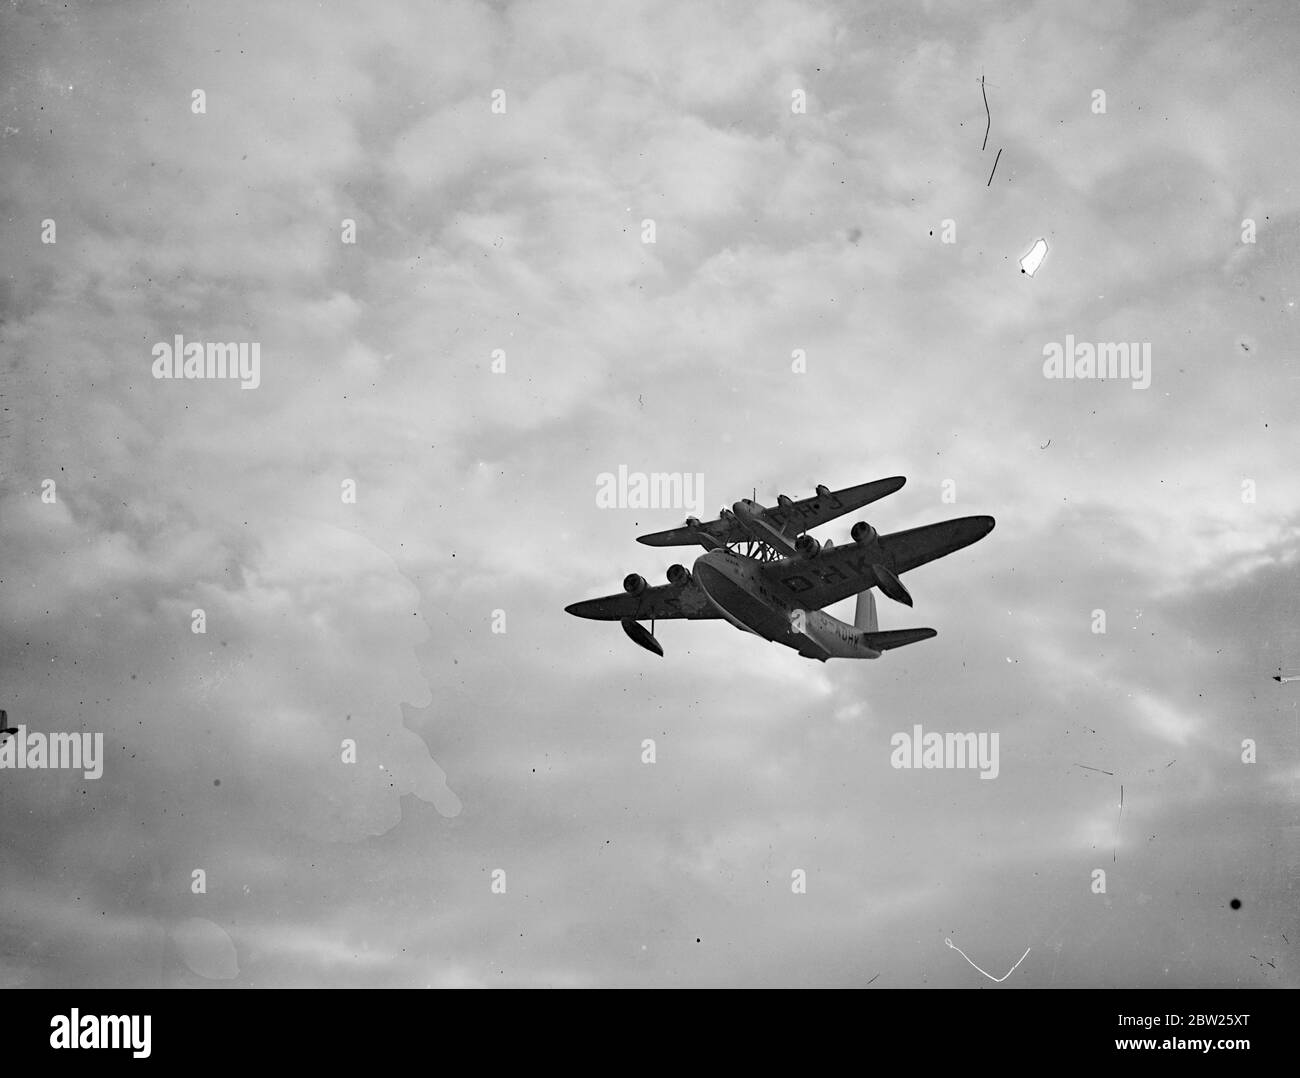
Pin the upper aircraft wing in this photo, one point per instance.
(666, 601)
(710, 534)
(799, 517)
(837, 573)
(803, 516)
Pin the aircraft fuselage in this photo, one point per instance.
(755, 520)
(749, 599)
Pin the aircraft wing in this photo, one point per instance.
(800, 517)
(813, 512)
(840, 572)
(666, 601)
(711, 535)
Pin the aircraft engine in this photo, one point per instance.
(863, 533)
(784, 501)
(692, 522)
(823, 491)
(678, 574)
(808, 546)
(634, 583)
(726, 514)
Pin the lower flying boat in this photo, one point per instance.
(763, 573)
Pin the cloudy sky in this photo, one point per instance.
(1174, 509)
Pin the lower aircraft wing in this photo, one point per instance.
(916, 546)
(837, 573)
(653, 604)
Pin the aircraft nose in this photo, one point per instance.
(710, 560)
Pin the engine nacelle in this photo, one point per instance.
(784, 501)
(726, 515)
(678, 574)
(634, 583)
(863, 533)
(823, 491)
(808, 546)
(692, 522)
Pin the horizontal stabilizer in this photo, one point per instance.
(897, 638)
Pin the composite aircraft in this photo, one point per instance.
(762, 572)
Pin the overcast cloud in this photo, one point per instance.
(775, 231)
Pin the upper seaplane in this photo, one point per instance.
(763, 573)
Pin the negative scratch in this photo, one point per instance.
(995, 167)
(873, 978)
(1114, 855)
(990, 976)
(989, 123)
(1087, 768)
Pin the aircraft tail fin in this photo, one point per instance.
(864, 617)
(897, 638)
